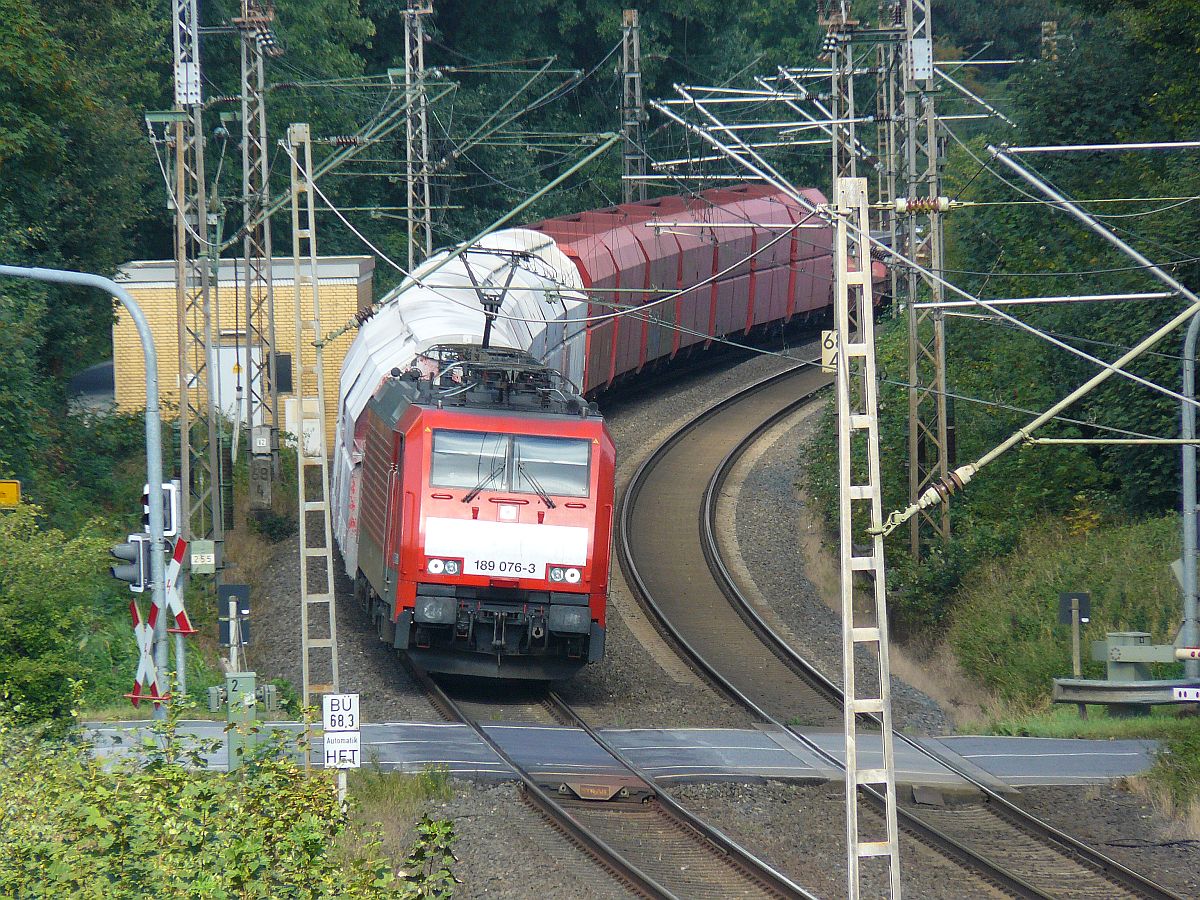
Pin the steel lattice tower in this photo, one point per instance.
(918, 152)
(633, 110)
(417, 181)
(837, 18)
(262, 404)
(199, 450)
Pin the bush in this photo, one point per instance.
(75, 826)
(51, 588)
(1005, 632)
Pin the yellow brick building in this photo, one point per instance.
(344, 285)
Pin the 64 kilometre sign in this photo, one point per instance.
(340, 721)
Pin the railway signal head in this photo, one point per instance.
(134, 567)
(170, 492)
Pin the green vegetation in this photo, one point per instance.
(399, 803)
(1063, 721)
(80, 827)
(155, 823)
(1004, 629)
(1175, 778)
(1177, 770)
(1045, 519)
(63, 619)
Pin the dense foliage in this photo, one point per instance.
(1119, 75)
(59, 615)
(77, 826)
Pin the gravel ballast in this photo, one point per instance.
(762, 543)
(1124, 825)
(507, 850)
(800, 829)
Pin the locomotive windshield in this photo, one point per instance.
(520, 463)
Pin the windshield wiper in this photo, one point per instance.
(541, 491)
(487, 479)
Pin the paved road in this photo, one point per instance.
(706, 754)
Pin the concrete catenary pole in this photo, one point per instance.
(153, 438)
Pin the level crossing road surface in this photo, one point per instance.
(696, 754)
(1032, 761)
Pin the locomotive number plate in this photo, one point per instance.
(510, 567)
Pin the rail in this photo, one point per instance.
(695, 833)
(986, 867)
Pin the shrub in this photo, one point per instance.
(76, 826)
(50, 588)
(1005, 631)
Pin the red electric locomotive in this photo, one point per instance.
(485, 516)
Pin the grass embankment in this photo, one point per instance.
(396, 802)
(1005, 633)
(1004, 628)
(991, 596)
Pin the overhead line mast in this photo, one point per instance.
(840, 24)
(199, 449)
(262, 402)
(918, 152)
(633, 109)
(419, 214)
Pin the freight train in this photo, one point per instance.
(472, 477)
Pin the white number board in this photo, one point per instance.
(341, 749)
(829, 352)
(510, 567)
(339, 712)
(1187, 693)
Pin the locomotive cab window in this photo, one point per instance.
(469, 459)
(526, 464)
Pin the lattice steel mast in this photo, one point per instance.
(419, 214)
(633, 109)
(919, 154)
(839, 45)
(889, 58)
(262, 403)
(199, 462)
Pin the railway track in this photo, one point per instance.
(678, 575)
(613, 812)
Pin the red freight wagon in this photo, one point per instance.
(735, 248)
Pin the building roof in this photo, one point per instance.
(330, 269)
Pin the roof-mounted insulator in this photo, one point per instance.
(268, 45)
(363, 316)
(922, 204)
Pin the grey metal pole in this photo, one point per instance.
(153, 437)
(1189, 633)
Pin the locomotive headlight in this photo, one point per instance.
(453, 566)
(557, 574)
(571, 576)
(436, 567)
